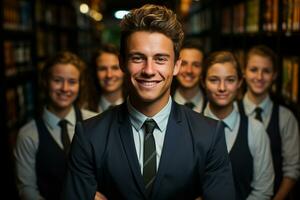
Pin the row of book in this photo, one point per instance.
(199, 22)
(17, 57)
(291, 16)
(53, 14)
(20, 104)
(290, 78)
(17, 15)
(244, 17)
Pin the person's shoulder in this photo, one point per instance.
(87, 113)
(287, 116)
(28, 127)
(283, 110)
(29, 130)
(103, 119)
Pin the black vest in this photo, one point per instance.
(242, 161)
(51, 162)
(273, 131)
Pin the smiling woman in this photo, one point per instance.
(49, 135)
(106, 89)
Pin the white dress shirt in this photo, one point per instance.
(289, 133)
(27, 145)
(259, 146)
(198, 100)
(137, 120)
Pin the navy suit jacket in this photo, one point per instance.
(194, 159)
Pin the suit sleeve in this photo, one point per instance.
(80, 181)
(218, 180)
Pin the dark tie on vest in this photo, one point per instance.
(190, 105)
(258, 112)
(64, 135)
(149, 162)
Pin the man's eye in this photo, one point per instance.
(197, 65)
(100, 69)
(231, 80)
(213, 80)
(57, 80)
(161, 60)
(115, 67)
(183, 63)
(136, 59)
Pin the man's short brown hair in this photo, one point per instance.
(152, 18)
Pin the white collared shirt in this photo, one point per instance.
(198, 100)
(137, 120)
(289, 133)
(259, 146)
(27, 145)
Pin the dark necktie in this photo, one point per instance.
(258, 112)
(190, 105)
(149, 163)
(64, 135)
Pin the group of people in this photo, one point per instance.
(160, 120)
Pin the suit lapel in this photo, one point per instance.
(125, 131)
(173, 132)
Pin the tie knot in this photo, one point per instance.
(224, 124)
(149, 126)
(258, 110)
(190, 105)
(63, 123)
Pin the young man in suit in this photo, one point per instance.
(183, 154)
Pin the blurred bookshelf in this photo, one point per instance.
(31, 31)
(17, 75)
(18, 67)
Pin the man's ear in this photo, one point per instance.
(177, 67)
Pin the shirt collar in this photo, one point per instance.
(230, 120)
(197, 99)
(161, 118)
(104, 103)
(250, 106)
(52, 120)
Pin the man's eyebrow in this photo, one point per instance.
(135, 54)
(141, 54)
(162, 54)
